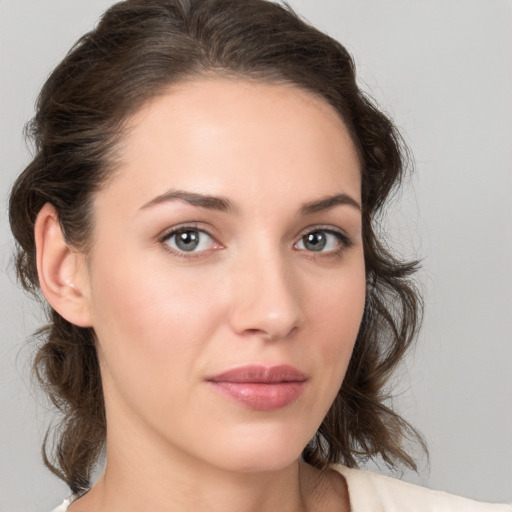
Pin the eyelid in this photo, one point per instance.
(184, 226)
(328, 228)
(344, 239)
(187, 226)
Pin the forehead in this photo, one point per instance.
(226, 136)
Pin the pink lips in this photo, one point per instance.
(259, 387)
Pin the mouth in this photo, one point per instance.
(260, 387)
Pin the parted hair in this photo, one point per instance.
(138, 49)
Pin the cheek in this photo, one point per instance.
(144, 297)
(336, 313)
(335, 308)
(149, 323)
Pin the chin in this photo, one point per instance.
(261, 451)
(259, 462)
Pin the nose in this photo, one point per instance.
(266, 299)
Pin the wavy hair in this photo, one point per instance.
(137, 50)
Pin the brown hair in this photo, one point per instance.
(137, 50)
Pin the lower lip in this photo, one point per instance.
(261, 396)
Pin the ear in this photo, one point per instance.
(62, 271)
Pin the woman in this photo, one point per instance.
(200, 218)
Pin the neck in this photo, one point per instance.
(144, 472)
(217, 492)
(135, 486)
(152, 476)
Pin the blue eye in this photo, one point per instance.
(322, 240)
(189, 240)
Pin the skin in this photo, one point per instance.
(252, 292)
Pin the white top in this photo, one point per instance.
(371, 492)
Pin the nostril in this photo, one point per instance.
(270, 330)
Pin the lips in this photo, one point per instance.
(259, 387)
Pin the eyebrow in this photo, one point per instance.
(223, 204)
(203, 201)
(328, 203)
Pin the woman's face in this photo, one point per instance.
(226, 279)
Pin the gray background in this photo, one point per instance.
(443, 70)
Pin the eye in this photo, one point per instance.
(323, 240)
(189, 240)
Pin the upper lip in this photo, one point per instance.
(260, 374)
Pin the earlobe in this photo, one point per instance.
(61, 270)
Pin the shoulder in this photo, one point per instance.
(373, 492)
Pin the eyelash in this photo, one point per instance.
(183, 229)
(343, 238)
